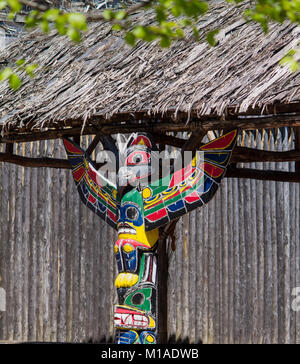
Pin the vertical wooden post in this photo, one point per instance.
(297, 147)
(9, 148)
(162, 292)
(76, 139)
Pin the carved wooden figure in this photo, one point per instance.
(137, 206)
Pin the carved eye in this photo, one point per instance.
(132, 213)
(137, 158)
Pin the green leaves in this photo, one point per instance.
(29, 69)
(290, 61)
(12, 75)
(5, 73)
(71, 24)
(9, 75)
(130, 38)
(185, 12)
(51, 15)
(77, 21)
(74, 35)
(164, 33)
(14, 81)
(166, 28)
(210, 37)
(108, 14)
(3, 4)
(174, 20)
(279, 11)
(14, 5)
(75, 24)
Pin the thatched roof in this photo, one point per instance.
(103, 78)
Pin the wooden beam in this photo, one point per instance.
(263, 175)
(9, 148)
(46, 135)
(162, 291)
(241, 154)
(93, 144)
(194, 141)
(76, 139)
(168, 140)
(248, 155)
(278, 112)
(297, 147)
(34, 162)
(231, 172)
(108, 127)
(39, 162)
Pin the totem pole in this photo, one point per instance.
(139, 204)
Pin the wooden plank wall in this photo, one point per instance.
(232, 276)
(230, 280)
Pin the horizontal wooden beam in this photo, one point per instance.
(154, 124)
(240, 154)
(263, 175)
(34, 162)
(46, 135)
(248, 155)
(232, 172)
(39, 162)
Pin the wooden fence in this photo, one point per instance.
(232, 277)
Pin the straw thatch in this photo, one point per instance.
(103, 79)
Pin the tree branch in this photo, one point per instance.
(90, 17)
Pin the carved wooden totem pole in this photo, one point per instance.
(139, 204)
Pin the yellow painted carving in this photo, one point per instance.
(150, 339)
(125, 280)
(148, 238)
(128, 248)
(151, 323)
(146, 193)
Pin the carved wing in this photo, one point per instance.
(97, 192)
(190, 187)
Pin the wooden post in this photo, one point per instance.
(162, 292)
(93, 144)
(76, 139)
(9, 148)
(297, 148)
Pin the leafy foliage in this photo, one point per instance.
(172, 18)
(13, 75)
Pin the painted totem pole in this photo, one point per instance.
(137, 206)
